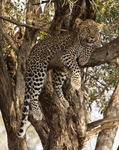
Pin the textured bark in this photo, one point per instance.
(106, 137)
(7, 107)
(61, 10)
(41, 128)
(7, 104)
(67, 127)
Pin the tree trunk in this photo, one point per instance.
(61, 10)
(67, 127)
(7, 104)
(106, 137)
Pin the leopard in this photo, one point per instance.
(68, 47)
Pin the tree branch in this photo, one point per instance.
(10, 40)
(104, 54)
(22, 24)
(100, 56)
(94, 124)
(7, 104)
(97, 130)
(61, 10)
(106, 137)
(41, 128)
(108, 122)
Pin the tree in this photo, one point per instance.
(59, 129)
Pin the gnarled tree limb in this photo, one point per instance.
(106, 137)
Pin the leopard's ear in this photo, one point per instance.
(99, 25)
(77, 23)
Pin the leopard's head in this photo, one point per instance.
(87, 32)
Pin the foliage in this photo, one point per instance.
(108, 12)
(100, 80)
(99, 84)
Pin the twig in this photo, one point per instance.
(10, 40)
(22, 24)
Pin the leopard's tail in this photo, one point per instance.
(25, 113)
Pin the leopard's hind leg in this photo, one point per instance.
(38, 82)
(58, 80)
(34, 83)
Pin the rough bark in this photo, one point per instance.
(41, 128)
(61, 10)
(7, 104)
(106, 137)
(67, 127)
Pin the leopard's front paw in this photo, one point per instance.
(76, 82)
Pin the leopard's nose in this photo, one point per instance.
(92, 39)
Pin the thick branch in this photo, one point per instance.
(41, 128)
(105, 123)
(22, 24)
(106, 137)
(97, 130)
(7, 101)
(10, 40)
(61, 10)
(100, 56)
(94, 124)
(105, 54)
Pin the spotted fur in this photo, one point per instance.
(79, 43)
